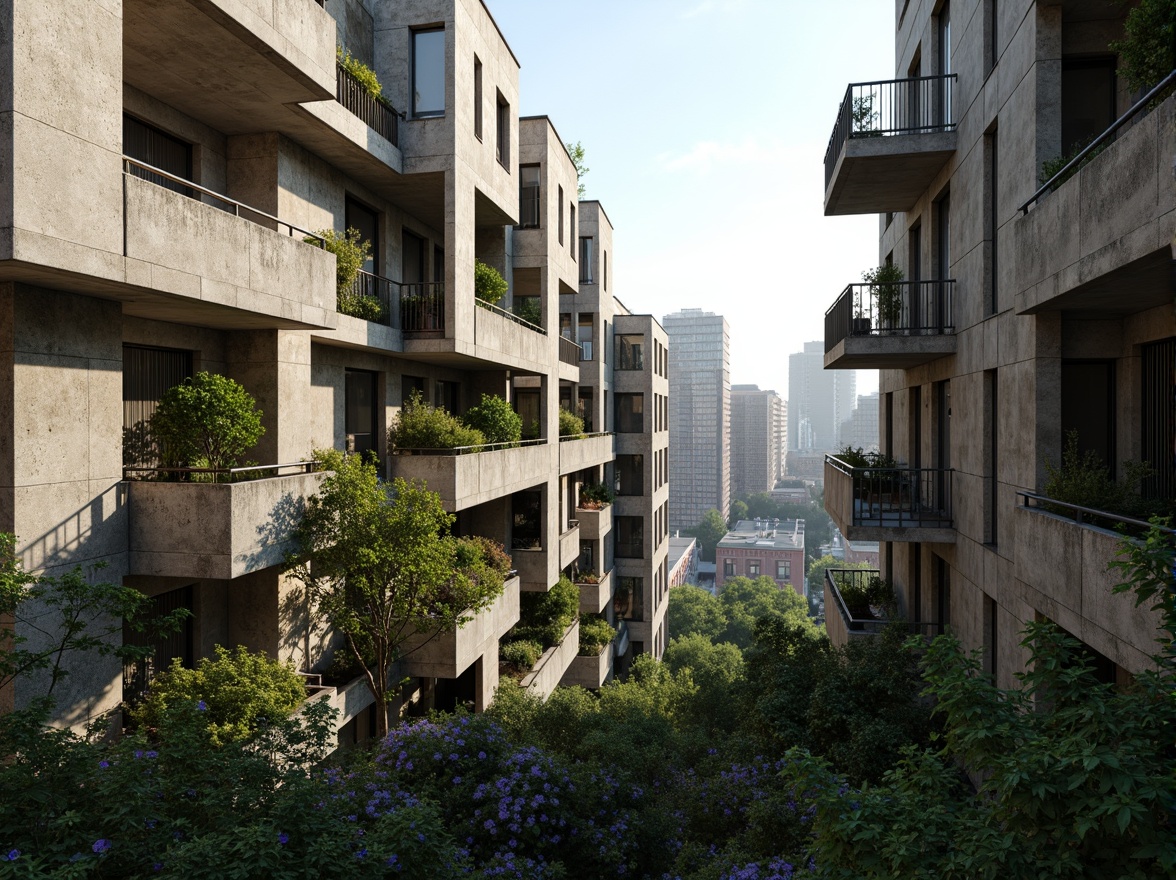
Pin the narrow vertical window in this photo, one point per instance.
(559, 204)
(990, 34)
(477, 98)
(605, 272)
(586, 260)
(529, 197)
(991, 454)
(991, 210)
(944, 61)
(428, 72)
(503, 138)
(990, 636)
(572, 227)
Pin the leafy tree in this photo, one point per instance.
(739, 512)
(489, 285)
(576, 151)
(694, 611)
(379, 567)
(745, 601)
(495, 419)
(709, 532)
(208, 420)
(716, 670)
(818, 567)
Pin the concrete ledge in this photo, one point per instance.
(214, 530)
(889, 352)
(469, 480)
(449, 654)
(510, 342)
(569, 547)
(576, 455)
(549, 670)
(594, 598)
(590, 672)
(1062, 566)
(538, 569)
(879, 174)
(594, 524)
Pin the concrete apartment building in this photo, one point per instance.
(763, 548)
(162, 203)
(757, 423)
(818, 402)
(1028, 312)
(700, 418)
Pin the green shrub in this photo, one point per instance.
(1050, 167)
(208, 420)
(369, 308)
(489, 551)
(886, 287)
(489, 285)
(570, 424)
(351, 252)
(495, 419)
(364, 74)
(1083, 479)
(529, 309)
(1147, 52)
(595, 634)
(596, 493)
(543, 617)
(522, 655)
(421, 426)
(240, 692)
(859, 594)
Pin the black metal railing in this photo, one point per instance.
(859, 578)
(919, 105)
(587, 436)
(380, 116)
(898, 308)
(143, 171)
(891, 496)
(422, 307)
(1088, 516)
(469, 450)
(220, 475)
(510, 316)
(369, 287)
(569, 352)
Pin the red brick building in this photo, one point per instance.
(755, 548)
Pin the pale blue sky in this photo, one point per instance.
(705, 124)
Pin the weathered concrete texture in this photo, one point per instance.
(538, 569)
(195, 250)
(214, 530)
(501, 340)
(449, 654)
(551, 666)
(880, 174)
(466, 480)
(595, 598)
(577, 455)
(1107, 229)
(569, 546)
(1062, 566)
(888, 352)
(594, 524)
(590, 672)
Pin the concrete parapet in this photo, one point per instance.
(549, 670)
(469, 480)
(594, 598)
(594, 524)
(569, 547)
(590, 672)
(449, 654)
(576, 455)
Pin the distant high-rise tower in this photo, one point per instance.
(757, 421)
(700, 415)
(820, 398)
(861, 428)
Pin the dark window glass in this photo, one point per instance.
(477, 98)
(165, 648)
(410, 385)
(412, 260)
(586, 323)
(527, 406)
(529, 214)
(584, 408)
(526, 516)
(361, 217)
(503, 139)
(155, 147)
(445, 395)
(630, 352)
(630, 413)
(629, 599)
(586, 260)
(1088, 100)
(559, 205)
(630, 470)
(147, 375)
(728, 568)
(753, 568)
(360, 411)
(428, 73)
(630, 537)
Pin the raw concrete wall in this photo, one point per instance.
(547, 672)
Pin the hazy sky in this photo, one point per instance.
(705, 124)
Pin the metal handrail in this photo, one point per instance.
(919, 308)
(924, 495)
(385, 290)
(422, 306)
(490, 307)
(468, 450)
(1141, 104)
(853, 623)
(129, 162)
(586, 436)
(379, 115)
(307, 467)
(1080, 511)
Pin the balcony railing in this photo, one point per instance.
(510, 316)
(902, 308)
(569, 352)
(919, 105)
(836, 578)
(1088, 515)
(892, 497)
(219, 475)
(384, 290)
(469, 450)
(422, 307)
(380, 116)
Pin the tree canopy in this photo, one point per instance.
(709, 532)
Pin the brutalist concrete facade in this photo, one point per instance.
(1060, 305)
(159, 206)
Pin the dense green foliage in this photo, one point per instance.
(420, 425)
(351, 250)
(521, 655)
(1147, 52)
(364, 74)
(818, 527)
(596, 493)
(207, 421)
(1083, 479)
(495, 420)
(709, 532)
(489, 285)
(543, 617)
(731, 616)
(529, 309)
(570, 424)
(595, 634)
(240, 691)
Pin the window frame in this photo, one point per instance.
(427, 114)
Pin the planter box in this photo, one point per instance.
(547, 672)
(214, 530)
(538, 570)
(591, 451)
(449, 654)
(590, 672)
(469, 480)
(594, 598)
(569, 547)
(595, 524)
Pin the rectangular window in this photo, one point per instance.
(629, 599)
(148, 373)
(605, 272)
(991, 45)
(992, 446)
(410, 385)
(728, 568)
(157, 148)
(529, 200)
(630, 537)
(526, 404)
(630, 413)
(584, 408)
(630, 471)
(991, 209)
(565, 325)
(359, 216)
(503, 137)
(753, 568)
(360, 411)
(559, 204)
(586, 260)
(526, 521)
(783, 570)
(445, 395)
(572, 227)
(990, 643)
(428, 72)
(586, 322)
(630, 352)
(477, 98)
(1088, 100)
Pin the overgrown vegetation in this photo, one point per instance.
(576, 151)
(529, 309)
(594, 496)
(489, 285)
(570, 424)
(495, 420)
(420, 425)
(362, 73)
(1083, 479)
(543, 617)
(207, 421)
(595, 634)
(351, 252)
(1147, 52)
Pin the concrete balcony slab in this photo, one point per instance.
(474, 478)
(584, 452)
(549, 670)
(874, 175)
(590, 672)
(594, 598)
(569, 546)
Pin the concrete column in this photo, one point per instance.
(274, 366)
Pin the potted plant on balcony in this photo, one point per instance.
(489, 285)
(570, 424)
(419, 426)
(596, 634)
(886, 290)
(595, 496)
(862, 322)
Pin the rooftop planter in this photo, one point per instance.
(549, 670)
(593, 664)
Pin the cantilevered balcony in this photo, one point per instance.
(890, 326)
(584, 451)
(890, 140)
(844, 623)
(886, 503)
(471, 475)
